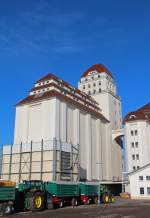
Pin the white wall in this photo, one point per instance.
(135, 183)
(143, 139)
(53, 118)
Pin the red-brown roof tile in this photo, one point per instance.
(99, 68)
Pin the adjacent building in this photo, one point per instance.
(137, 138)
(139, 183)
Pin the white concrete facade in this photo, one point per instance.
(69, 124)
(137, 138)
(139, 183)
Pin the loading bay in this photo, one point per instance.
(120, 209)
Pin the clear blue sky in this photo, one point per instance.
(66, 37)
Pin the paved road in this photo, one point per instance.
(121, 209)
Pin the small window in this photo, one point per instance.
(89, 93)
(47, 81)
(148, 190)
(138, 167)
(136, 132)
(132, 132)
(89, 86)
(94, 91)
(92, 77)
(148, 178)
(99, 83)
(100, 90)
(136, 144)
(99, 76)
(140, 178)
(141, 191)
(132, 144)
(137, 156)
(94, 84)
(133, 157)
(83, 87)
(134, 168)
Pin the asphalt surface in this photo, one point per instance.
(120, 209)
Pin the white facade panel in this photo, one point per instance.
(140, 180)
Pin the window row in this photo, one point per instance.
(135, 157)
(94, 92)
(134, 144)
(142, 190)
(94, 85)
(93, 77)
(41, 90)
(135, 132)
(136, 168)
(141, 178)
(43, 83)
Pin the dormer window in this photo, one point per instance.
(132, 116)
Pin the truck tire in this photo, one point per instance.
(74, 202)
(37, 201)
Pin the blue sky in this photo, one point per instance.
(66, 37)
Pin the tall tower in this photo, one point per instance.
(98, 82)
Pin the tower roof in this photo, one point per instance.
(97, 67)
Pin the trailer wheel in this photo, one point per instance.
(6, 209)
(50, 204)
(37, 201)
(96, 200)
(105, 198)
(74, 202)
(61, 203)
(87, 202)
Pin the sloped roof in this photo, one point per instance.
(97, 67)
(142, 113)
(140, 169)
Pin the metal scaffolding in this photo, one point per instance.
(46, 160)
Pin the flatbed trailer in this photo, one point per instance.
(36, 195)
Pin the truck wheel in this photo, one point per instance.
(37, 201)
(61, 203)
(74, 202)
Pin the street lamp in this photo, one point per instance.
(99, 194)
(123, 173)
